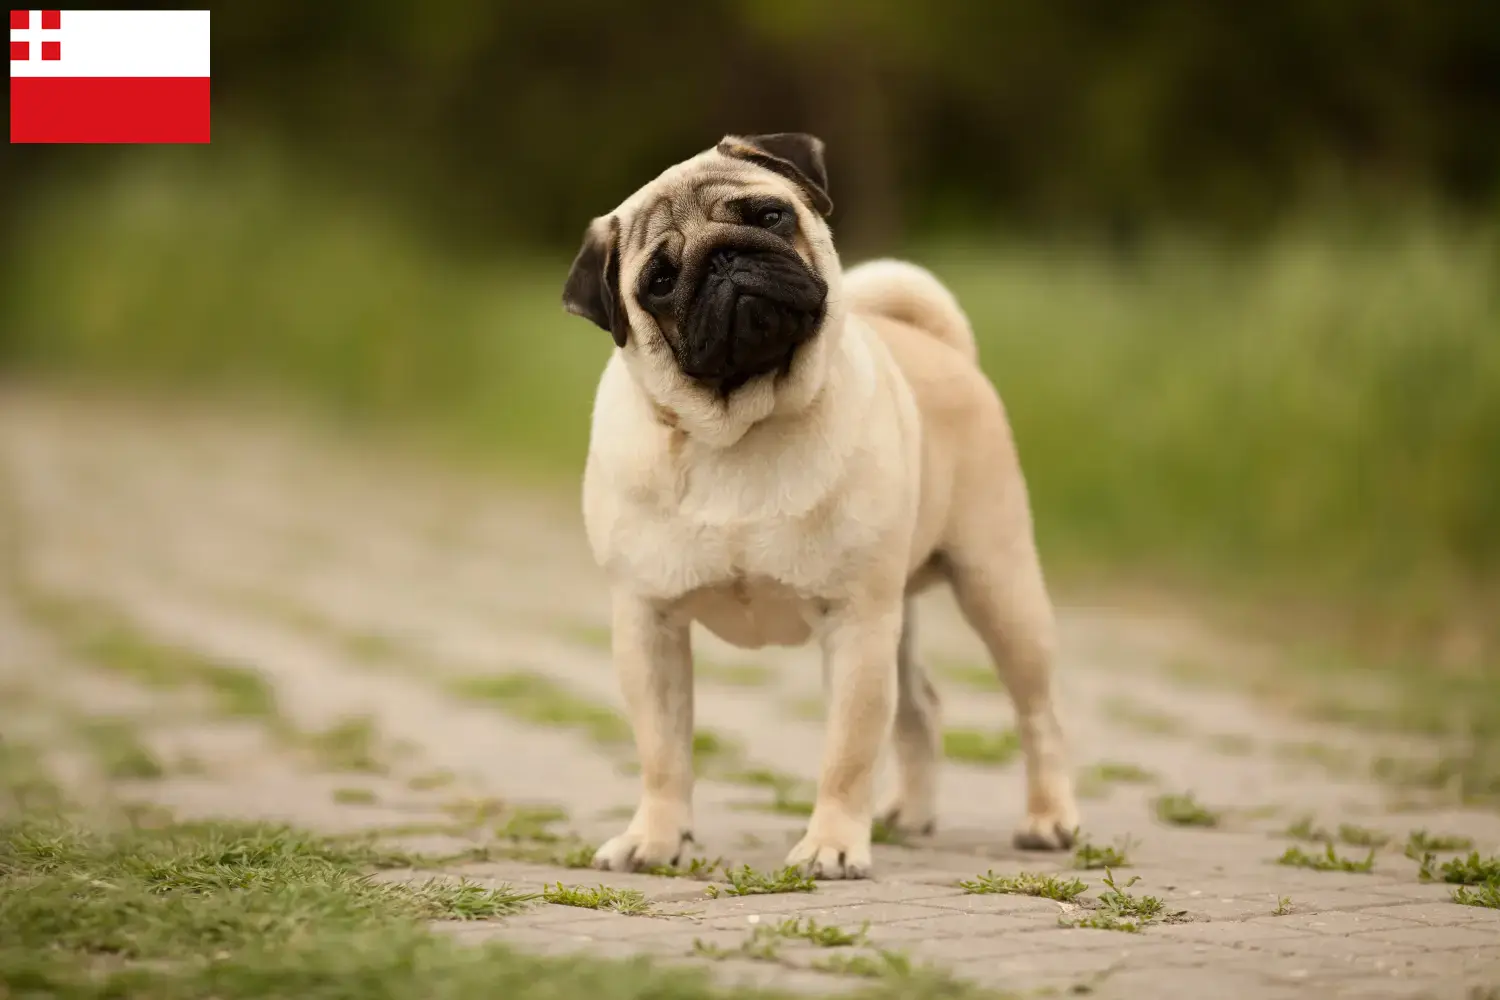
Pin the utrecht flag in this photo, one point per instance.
(109, 76)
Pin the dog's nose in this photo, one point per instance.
(724, 257)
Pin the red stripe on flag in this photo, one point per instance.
(108, 109)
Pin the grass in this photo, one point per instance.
(702, 869)
(96, 634)
(238, 911)
(746, 881)
(1487, 895)
(1185, 810)
(1232, 744)
(117, 749)
(1090, 856)
(1420, 842)
(544, 702)
(1063, 890)
(26, 782)
(355, 797)
(1329, 861)
(979, 676)
(630, 902)
(1347, 833)
(1095, 781)
(1143, 718)
(787, 792)
(1284, 906)
(532, 823)
(431, 781)
(1471, 870)
(348, 745)
(1119, 909)
(974, 746)
(764, 941)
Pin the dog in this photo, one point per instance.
(785, 452)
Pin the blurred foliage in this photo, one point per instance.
(519, 121)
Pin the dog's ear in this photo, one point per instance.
(593, 286)
(794, 155)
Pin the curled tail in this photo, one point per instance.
(910, 294)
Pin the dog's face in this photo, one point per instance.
(716, 278)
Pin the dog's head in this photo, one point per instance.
(718, 278)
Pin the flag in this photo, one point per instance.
(109, 76)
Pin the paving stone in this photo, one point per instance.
(1438, 938)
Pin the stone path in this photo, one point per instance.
(378, 594)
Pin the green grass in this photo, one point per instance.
(532, 823)
(701, 869)
(787, 791)
(1025, 884)
(118, 751)
(349, 745)
(765, 940)
(1096, 780)
(355, 796)
(26, 782)
(1420, 842)
(1487, 895)
(1347, 833)
(1119, 909)
(1232, 744)
(746, 881)
(1471, 870)
(1328, 861)
(544, 702)
(1089, 856)
(630, 902)
(103, 638)
(1143, 718)
(430, 781)
(240, 911)
(1185, 810)
(979, 676)
(1284, 906)
(974, 746)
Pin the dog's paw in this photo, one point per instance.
(1051, 817)
(908, 817)
(833, 857)
(634, 851)
(1051, 830)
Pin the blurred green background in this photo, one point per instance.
(1235, 268)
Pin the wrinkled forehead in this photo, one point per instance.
(689, 196)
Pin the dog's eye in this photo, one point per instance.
(663, 281)
(769, 218)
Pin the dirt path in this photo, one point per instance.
(434, 646)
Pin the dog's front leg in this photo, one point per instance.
(859, 650)
(653, 656)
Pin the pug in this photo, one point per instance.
(788, 452)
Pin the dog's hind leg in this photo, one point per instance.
(997, 579)
(918, 738)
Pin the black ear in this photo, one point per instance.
(593, 286)
(795, 155)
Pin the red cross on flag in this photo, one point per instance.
(109, 76)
